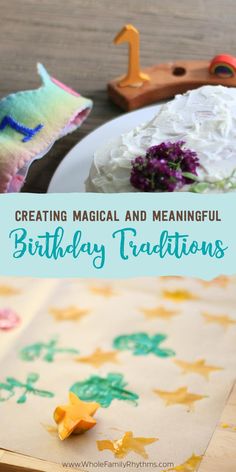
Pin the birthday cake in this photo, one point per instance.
(190, 145)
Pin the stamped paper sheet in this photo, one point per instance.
(158, 354)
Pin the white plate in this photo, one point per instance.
(74, 169)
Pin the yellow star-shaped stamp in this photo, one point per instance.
(76, 417)
(121, 447)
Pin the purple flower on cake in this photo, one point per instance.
(165, 167)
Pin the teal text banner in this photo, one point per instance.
(118, 235)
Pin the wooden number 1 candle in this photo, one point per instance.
(135, 77)
(162, 81)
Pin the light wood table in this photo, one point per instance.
(221, 452)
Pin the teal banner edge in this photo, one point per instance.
(118, 249)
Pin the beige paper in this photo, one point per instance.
(199, 321)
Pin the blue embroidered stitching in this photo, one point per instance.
(29, 133)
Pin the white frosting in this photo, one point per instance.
(204, 118)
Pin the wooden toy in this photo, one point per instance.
(162, 81)
(223, 66)
(134, 77)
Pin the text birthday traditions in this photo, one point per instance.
(126, 242)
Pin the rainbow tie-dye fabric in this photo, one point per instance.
(30, 123)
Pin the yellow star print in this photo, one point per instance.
(121, 447)
(99, 358)
(223, 320)
(7, 290)
(71, 313)
(76, 417)
(190, 465)
(231, 427)
(103, 290)
(198, 367)
(180, 396)
(170, 277)
(50, 429)
(220, 281)
(179, 295)
(158, 312)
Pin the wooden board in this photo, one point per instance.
(12, 462)
(166, 80)
(220, 454)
